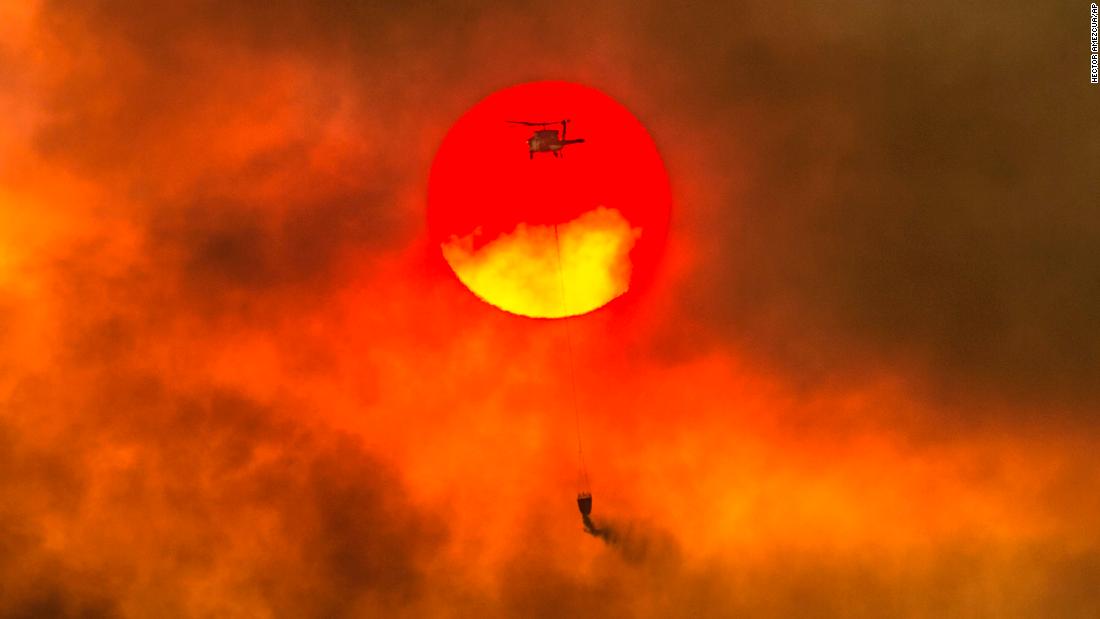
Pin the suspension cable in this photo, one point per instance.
(572, 364)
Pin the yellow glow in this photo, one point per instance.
(518, 271)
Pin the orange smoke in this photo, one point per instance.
(236, 379)
(519, 272)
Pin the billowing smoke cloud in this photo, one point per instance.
(198, 504)
(918, 196)
(635, 543)
(236, 381)
(524, 271)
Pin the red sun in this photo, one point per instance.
(548, 236)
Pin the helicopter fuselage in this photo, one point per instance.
(547, 141)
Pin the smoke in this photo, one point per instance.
(605, 533)
(634, 541)
(918, 198)
(518, 271)
(233, 384)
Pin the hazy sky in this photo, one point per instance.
(237, 380)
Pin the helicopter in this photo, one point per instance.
(547, 140)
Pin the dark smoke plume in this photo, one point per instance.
(591, 529)
(633, 542)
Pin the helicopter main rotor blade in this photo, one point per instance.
(531, 124)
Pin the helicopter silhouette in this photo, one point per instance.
(547, 140)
